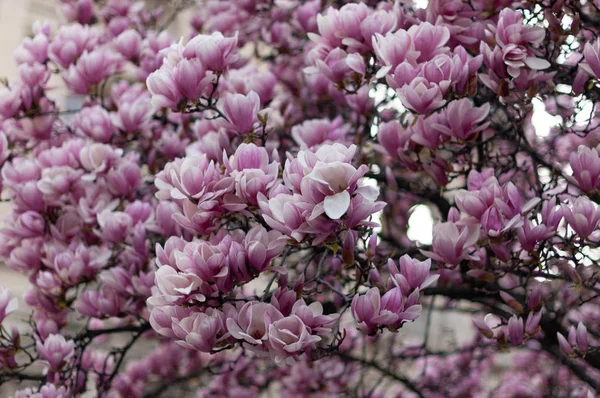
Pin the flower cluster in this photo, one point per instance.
(242, 201)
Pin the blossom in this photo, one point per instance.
(365, 308)
(200, 330)
(413, 274)
(591, 54)
(56, 350)
(128, 43)
(288, 336)
(394, 49)
(582, 215)
(95, 122)
(462, 119)
(421, 96)
(8, 304)
(174, 286)
(253, 173)
(215, 51)
(91, 68)
(165, 92)
(242, 111)
(70, 43)
(585, 164)
(429, 39)
(451, 242)
(252, 322)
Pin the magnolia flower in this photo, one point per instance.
(289, 336)
(365, 308)
(413, 274)
(591, 54)
(582, 215)
(421, 96)
(56, 350)
(199, 331)
(393, 49)
(215, 51)
(585, 164)
(331, 182)
(252, 322)
(450, 242)
(241, 111)
(8, 304)
(174, 286)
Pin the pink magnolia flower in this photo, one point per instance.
(81, 11)
(253, 173)
(129, 44)
(134, 116)
(378, 22)
(287, 337)
(582, 215)
(99, 304)
(95, 123)
(462, 119)
(365, 308)
(564, 345)
(29, 224)
(585, 164)
(307, 14)
(313, 318)
(393, 137)
(396, 309)
(252, 321)
(215, 51)
(191, 78)
(591, 54)
(581, 338)
(451, 242)
(421, 96)
(194, 177)
(10, 101)
(533, 321)
(200, 331)
(165, 92)
(413, 274)
(511, 29)
(336, 25)
(241, 111)
(429, 40)
(282, 214)
(8, 304)
(33, 49)
(91, 68)
(204, 260)
(263, 246)
(515, 330)
(516, 40)
(174, 287)
(483, 327)
(114, 225)
(313, 133)
(124, 179)
(393, 49)
(71, 42)
(56, 350)
(46, 391)
(331, 182)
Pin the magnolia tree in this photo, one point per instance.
(226, 213)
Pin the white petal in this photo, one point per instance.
(368, 192)
(537, 63)
(337, 205)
